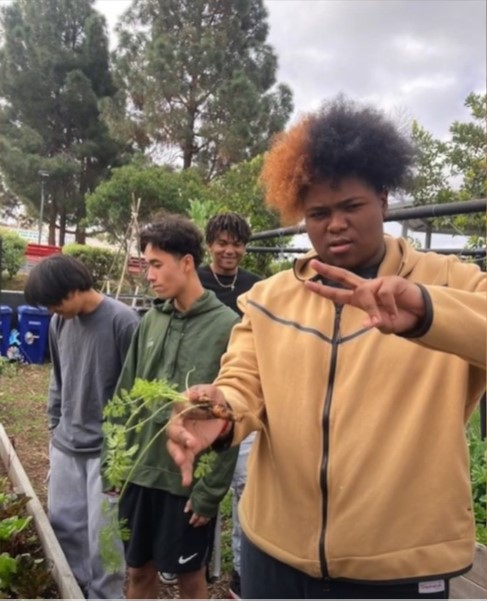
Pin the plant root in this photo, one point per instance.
(205, 409)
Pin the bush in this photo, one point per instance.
(102, 262)
(13, 252)
(478, 475)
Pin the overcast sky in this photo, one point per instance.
(417, 58)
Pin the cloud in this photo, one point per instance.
(418, 59)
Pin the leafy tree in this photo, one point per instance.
(466, 154)
(54, 69)
(239, 190)
(110, 206)
(430, 184)
(199, 76)
(454, 170)
(467, 149)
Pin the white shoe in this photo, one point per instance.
(168, 578)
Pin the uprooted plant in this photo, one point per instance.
(130, 411)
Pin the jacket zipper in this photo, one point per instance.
(326, 436)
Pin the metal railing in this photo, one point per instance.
(400, 214)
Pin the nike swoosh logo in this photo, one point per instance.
(182, 560)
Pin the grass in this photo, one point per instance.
(23, 409)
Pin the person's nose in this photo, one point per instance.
(337, 222)
(149, 275)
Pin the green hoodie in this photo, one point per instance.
(169, 344)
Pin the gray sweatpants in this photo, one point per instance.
(74, 505)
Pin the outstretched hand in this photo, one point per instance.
(189, 434)
(392, 303)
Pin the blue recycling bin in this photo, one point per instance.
(33, 332)
(5, 320)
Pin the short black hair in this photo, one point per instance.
(230, 222)
(54, 278)
(176, 235)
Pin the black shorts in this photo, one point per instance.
(160, 531)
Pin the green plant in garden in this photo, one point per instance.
(109, 552)
(9, 527)
(13, 252)
(8, 568)
(125, 412)
(102, 262)
(23, 573)
(478, 476)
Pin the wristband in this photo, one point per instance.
(227, 426)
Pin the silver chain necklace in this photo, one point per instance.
(232, 283)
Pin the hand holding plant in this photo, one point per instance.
(188, 436)
(160, 402)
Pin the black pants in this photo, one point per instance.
(263, 577)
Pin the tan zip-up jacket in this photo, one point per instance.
(360, 468)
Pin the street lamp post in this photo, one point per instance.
(43, 175)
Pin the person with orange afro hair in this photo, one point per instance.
(358, 369)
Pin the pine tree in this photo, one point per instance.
(198, 75)
(54, 69)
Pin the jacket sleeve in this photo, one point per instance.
(458, 314)
(208, 492)
(239, 377)
(55, 381)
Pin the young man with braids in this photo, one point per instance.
(358, 368)
(226, 236)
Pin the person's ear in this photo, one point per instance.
(188, 263)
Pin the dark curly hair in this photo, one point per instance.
(176, 235)
(232, 223)
(338, 141)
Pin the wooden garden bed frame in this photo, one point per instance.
(61, 572)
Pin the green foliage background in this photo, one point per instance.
(12, 252)
(102, 262)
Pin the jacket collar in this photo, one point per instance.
(400, 259)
